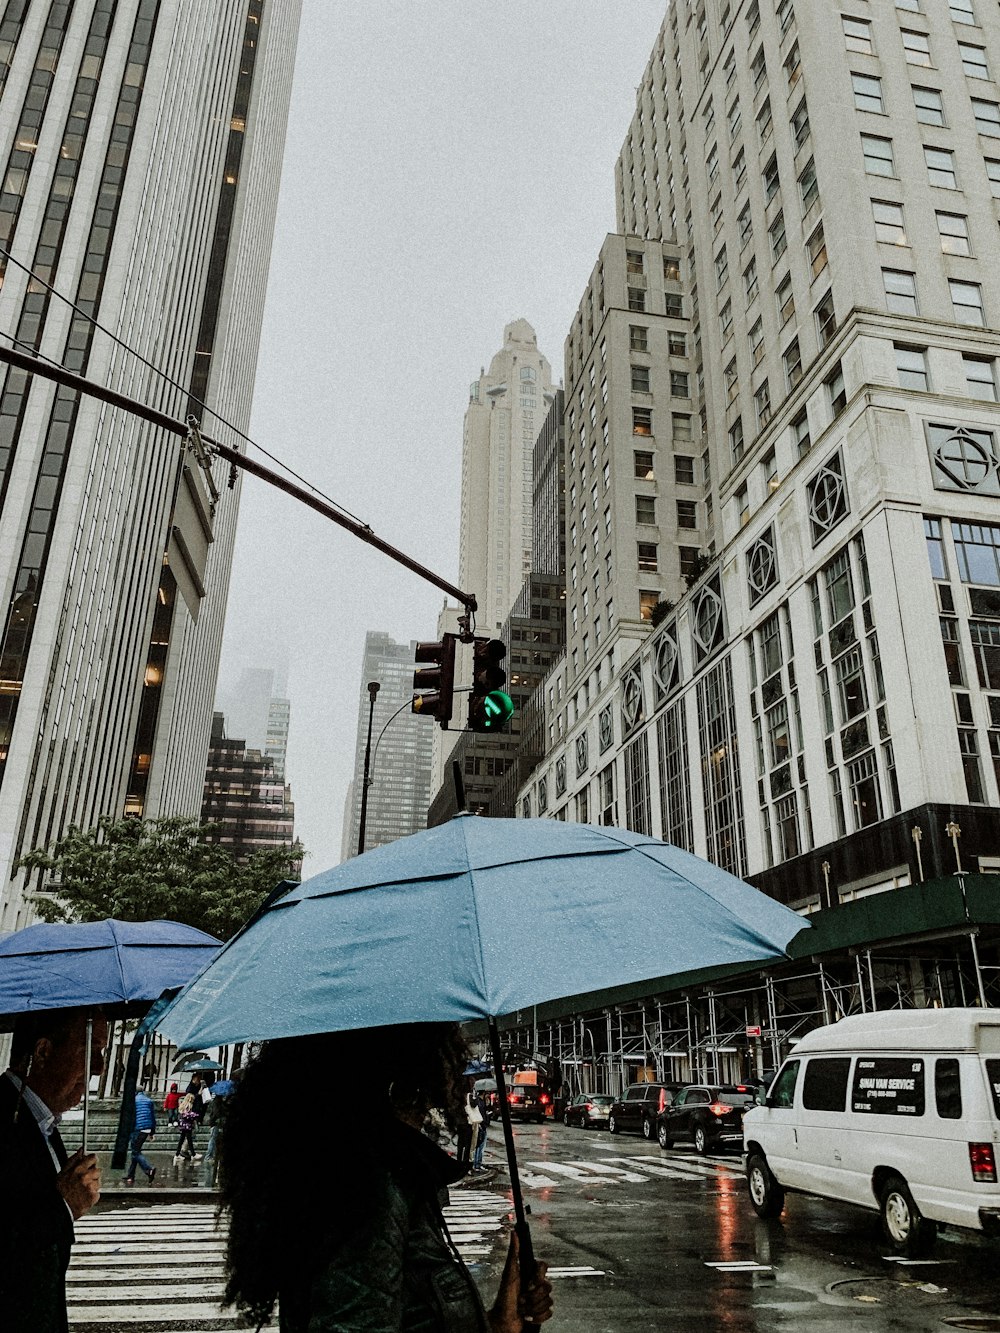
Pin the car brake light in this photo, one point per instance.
(981, 1159)
(719, 1108)
(544, 1099)
(662, 1104)
(589, 1106)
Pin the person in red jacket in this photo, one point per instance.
(170, 1104)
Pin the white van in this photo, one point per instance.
(898, 1111)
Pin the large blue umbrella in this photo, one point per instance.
(97, 964)
(474, 919)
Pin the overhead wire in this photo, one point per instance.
(36, 277)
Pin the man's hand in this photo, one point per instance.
(79, 1183)
(513, 1309)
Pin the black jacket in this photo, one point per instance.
(397, 1271)
(36, 1230)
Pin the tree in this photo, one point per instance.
(144, 870)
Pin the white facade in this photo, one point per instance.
(837, 657)
(143, 144)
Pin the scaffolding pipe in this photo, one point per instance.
(979, 972)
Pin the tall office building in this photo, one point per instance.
(245, 797)
(259, 711)
(143, 143)
(798, 670)
(400, 772)
(507, 406)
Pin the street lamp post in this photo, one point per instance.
(373, 689)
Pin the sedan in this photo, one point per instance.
(589, 1111)
(710, 1115)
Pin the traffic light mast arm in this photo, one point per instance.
(32, 365)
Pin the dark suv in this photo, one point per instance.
(637, 1110)
(708, 1114)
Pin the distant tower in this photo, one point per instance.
(507, 406)
(401, 748)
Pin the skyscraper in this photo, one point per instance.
(400, 772)
(507, 406)
(143, 143)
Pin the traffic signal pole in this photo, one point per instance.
(33, 365)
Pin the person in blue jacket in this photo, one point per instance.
(144, 1128)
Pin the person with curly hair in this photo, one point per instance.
(357, 1242)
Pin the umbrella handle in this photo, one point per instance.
(526, 1255)
(86, 1080)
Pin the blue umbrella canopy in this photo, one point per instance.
(90, 964)
(474, 919)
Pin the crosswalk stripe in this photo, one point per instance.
(152, 1314)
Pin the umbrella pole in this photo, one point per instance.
(86, 1080)
(527, 1252)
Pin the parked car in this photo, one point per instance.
(637, 1110)
(710, 1115)
(898, 1111)
(589, 1110)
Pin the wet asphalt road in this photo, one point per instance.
(822, 1265)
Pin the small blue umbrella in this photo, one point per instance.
(97, 964)
(472, 920)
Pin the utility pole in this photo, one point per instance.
(373, 689)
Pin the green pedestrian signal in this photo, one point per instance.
(498, 709)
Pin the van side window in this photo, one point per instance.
(782, 1092)
(824, 1087)
(947, 1089)
(888, 1085)
(993, 1075)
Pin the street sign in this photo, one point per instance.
(753, 1031)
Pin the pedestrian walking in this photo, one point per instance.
(188, 1121)
(468, 1133)
(170, 1104)
(362, 1244)
(144, 1128)
(44, 1191)
(484, 1124)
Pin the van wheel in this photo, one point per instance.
(612, 1125)
(903, 1224)
(700, 1140)
(647, 1127)
(663, 1138)
(766, 1195)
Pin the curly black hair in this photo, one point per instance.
(340, 1091)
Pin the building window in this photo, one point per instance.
(858, 35)
(736, 439)
(837, 392)
(676, 343)
(776, 232)
(809, 186)
(917, 47)
(785, 299)
(878, 155)
(687, 514)
(851, 695)
(671, 268)
(973, 61)
(750, 281)
(793, 363)
(953, 229)
(647, 600)
(941, 167)
(645, 509)
(987, 117)
(720, 769)
(793, 67)
(712, 163)
(826, 498)
(744, 224)
(771, 180)
(862, 781)
(961, 11)
(640, 379)
(688, 560)
(985, 637)
(675, 793)
(930, 107)
(769, 467)
(969, 747)
(757, 342)
(800, 124)
(778, 737)
(642, 421)
(721, 267)
(743, 505)
(762, 405)
(764, 122)
(758, 70)
(826, 319)
(816, 245)
(980, 378)
(634, 261)
(638, 813)
(911, 366)
(726, 320)
(680, 427)
(967, 302)
(889, 228)
(800, 434)
(977, 546)
(648, 563)
(993, 175)
(643, 465)
(732, 381)
(673, 305)
(638, 338)
(900, 291)
(868, 93)
(679, 384)
(636, 298)
(786, 819)
(683, 470)
(739, 171)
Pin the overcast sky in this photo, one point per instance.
(449, 168)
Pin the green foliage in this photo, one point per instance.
(699, 565)
(660, 611)
(147, 870)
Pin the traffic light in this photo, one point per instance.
(438, 679)
(490, 708)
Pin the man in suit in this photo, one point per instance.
(43, 1191)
